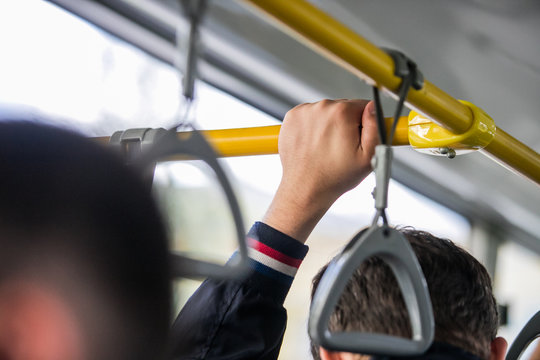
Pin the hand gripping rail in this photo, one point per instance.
(530, 332)
(389, 245)
(334, 40)
(160, 144)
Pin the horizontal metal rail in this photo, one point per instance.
(334, 40)
(264, 140)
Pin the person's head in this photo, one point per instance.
(464, 307)
(83, 253)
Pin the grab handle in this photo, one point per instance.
(160, 144)
(392, 247)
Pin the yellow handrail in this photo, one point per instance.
(263, 140)
(340, 44)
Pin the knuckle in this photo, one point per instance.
(341, 110)
(325, 103)
(295, 110)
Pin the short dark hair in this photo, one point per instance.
(69, 203)
(460, 289)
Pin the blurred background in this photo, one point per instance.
(98, 67)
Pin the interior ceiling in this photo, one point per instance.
(484, 51)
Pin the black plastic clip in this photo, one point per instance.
(403, 66)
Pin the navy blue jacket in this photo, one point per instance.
(240, 320)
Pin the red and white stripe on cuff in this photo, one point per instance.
(272, 258)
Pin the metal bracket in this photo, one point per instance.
(392, 247)
(530, 332)
(428, 137)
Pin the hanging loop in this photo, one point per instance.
(386, 243)
(147, 147)
(195, 146)
(382, 160)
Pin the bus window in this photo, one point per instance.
(101, 84)
(517, 286)
(78, 75)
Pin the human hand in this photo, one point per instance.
(325, 150)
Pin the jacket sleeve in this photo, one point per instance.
(227, 319)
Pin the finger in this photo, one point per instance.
(359, 103)
(355, 109)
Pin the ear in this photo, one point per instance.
(498, 349)
(36, 323)
(329, 355)
(337, 355)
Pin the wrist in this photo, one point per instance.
(296, 211)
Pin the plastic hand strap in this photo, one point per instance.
(194, 145)
(392, 247)
(412, 77)
(530, 332)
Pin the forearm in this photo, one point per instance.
(295, 212)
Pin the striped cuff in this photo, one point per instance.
(275, 258)
(271, 262)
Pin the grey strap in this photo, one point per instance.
(146, 146)
(386, 243)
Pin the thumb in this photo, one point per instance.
(369, 137)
